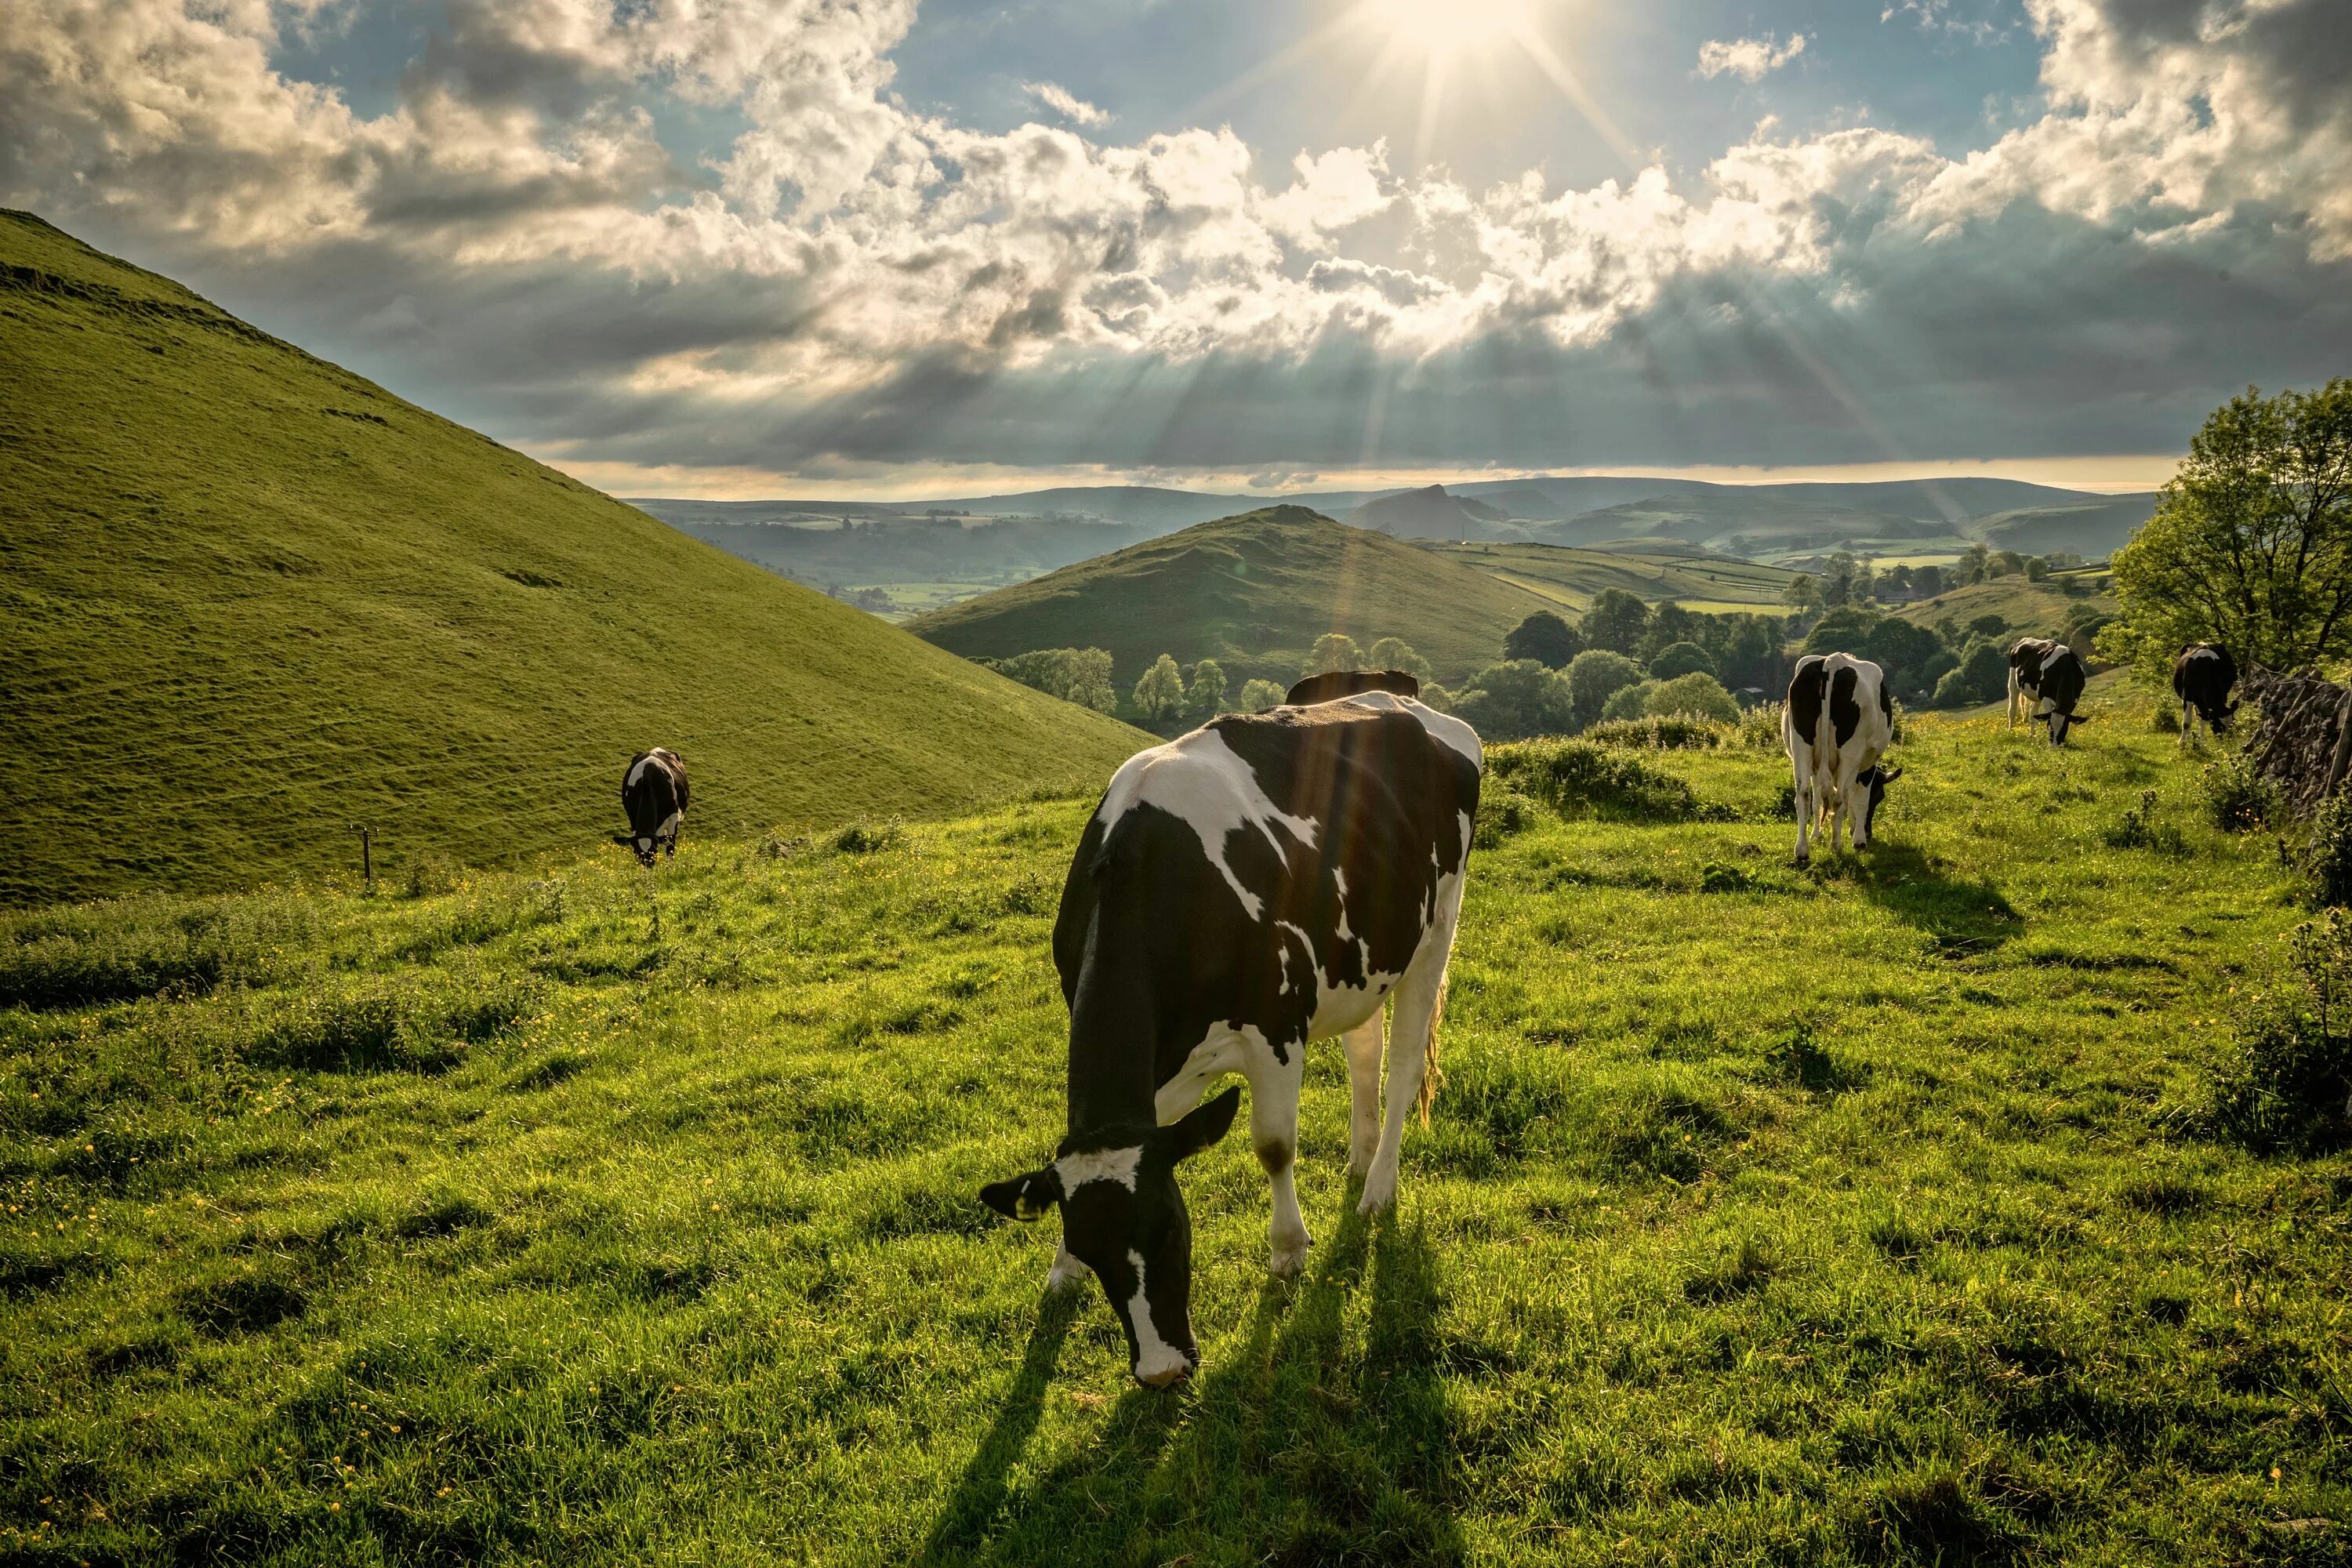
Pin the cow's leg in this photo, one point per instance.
(2182, 744)
(2013, 703)
(1362, 1043)
(1802, 792)
(1412, 1033)
(1274, 1133)
(1066, 1273)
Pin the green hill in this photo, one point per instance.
(249, 598)
(1663, 569)
(1253, 592)
(2095, 528)
(2048, 608)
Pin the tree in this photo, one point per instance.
(1866, 584)
(1436, 696)
(1837, 580)
(1593, 676)
(1204, 690)
(1628, 702)
(1681, 658)
(1926, 581)
(1696, 695)
(1976, 564)
(1080, 674)
(2250, 546)
(1395, 653)
(1615, 621)
(1333, 650)
(1516, 700)
(1982, 676)
(1841, 630)
(1160, 692)
(1802, 594)
(1258, 696)
(1751, 654)
(1544, 638)
(2037, 570)
(2007, 563)
(1903, 651)
(1896, 579)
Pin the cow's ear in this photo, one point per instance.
(1888, 776)
(1197, 1129)
(1024, 1197)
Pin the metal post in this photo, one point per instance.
(367, 858)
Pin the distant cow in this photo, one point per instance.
(1264, 881)
(1334, 684)
(1836, 726)
(2201, 678)
(654, 793)
(2059, 688)
(2026, 656)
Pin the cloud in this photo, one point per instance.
(1747, 58)
(847, 282)
(1066, 103)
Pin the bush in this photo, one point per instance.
(1395, 653)
(1332, 651)
(1593, 676)
(2330, 853)
(1681, 658)
(1759, 727)
(1516, 700)
(1257, 695)
(2140, 830)
(1505, 811)
(1982, 676)
(1667, 734)
(1694, 696)
(867, 837)
(1577, 778)
(2237, 798)
(1628, 702)
(2288, 1081)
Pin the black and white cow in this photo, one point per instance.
(1266, 880)
(1334, 684)
(2058, 690)
(2026, 656)
(2201, 678)
(654, 793)
(1836, 726)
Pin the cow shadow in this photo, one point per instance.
(1961, 917)
(1315, 1435)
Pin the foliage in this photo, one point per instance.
(1513, 700)
(2288, 1079)
(1593, 676)
(1670, 733)
(1692, 696)
(1803, 593)
(1905, 651)
(1204, 690)
(1544, 638)
(1332, 651)
(1080, 674)
(1614, 622)
(2250, 546)
(1628, 703)
(1982, 676)
(1436, 696)
(1504, 812)
(1681, 658)
(1841, 630)
(2140, 830)
(1577, 778)
(1160, 693)
(2328, 854)
(1395, 653)
(207, 535)
(1759, 727)
(1258, 696)
(2238, 798)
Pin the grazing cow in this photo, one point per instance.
(1336, 683)
(2201, 678)
(654, 793)
(1837, 724)
(2058, 690)
(1266, 880)
(2026, 656)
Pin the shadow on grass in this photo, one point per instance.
(1960, 917)
(1313, 1437)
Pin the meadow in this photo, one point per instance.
(1862, 1214)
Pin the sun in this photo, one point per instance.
(1447, 26)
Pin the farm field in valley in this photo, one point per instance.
(1856, 1214)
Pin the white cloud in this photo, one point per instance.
(1749, 60)
(1066, 103)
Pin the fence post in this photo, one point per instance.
(367, 858)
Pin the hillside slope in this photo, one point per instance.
(250, 599)
(1572, 578)
(1253, 592)
(1428, 513)
(2094, 528)
(2040, 609)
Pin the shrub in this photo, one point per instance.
(867, 837)
(1665, 733)
(2330, 853)
(2140, 830)
(1695, 696)
(1759, 727)
(1578, 778)
(2237, 798)
(1515, 701)
(2164, 719)
(432, 874)
(2288, 1081)
(1681, 658)
(1628, 702)
(1593, 676)
(1505, 811)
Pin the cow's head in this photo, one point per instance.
(2062, 722)
(643, 845)
(1873, 790)
(1123, 1216)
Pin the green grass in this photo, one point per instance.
(1253, 591)
(2044, 609)
(1572, 577)
(248, 599)
(1857, 1216)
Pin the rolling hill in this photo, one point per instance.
(249, 599)
(1253, 592)
(2091, 529)
(2047, 609)
(1427, 513)
(1572, 578)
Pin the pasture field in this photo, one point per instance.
(1853, 1215)
(1573, 577)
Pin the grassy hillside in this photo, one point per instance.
(2043, 609)
(1253, 592)
(1861, 1215)
(2094, 528)
(1572, 578)
(249, 599)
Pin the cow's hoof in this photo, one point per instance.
(1065, 1277)
(1380, 1192)
(1804, 861)
(1167, 1379)
(1289, 1262)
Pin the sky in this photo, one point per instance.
(884, 247)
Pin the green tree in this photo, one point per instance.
(1696, 695)
(1681, 658)
(1333, 650)
(1841, 630)
(1615, 622)
(1802, 594)
(1516, 700)
(1161, 693)
(1629, 701)
(1903, 651)
(1436, 696)
(1204, 690)
(2007, 563)
(1837, 580)
(1544, 638)
(1975, 565)
(1595, 675)
(2250, 546)
(1257, 695)
(1982, 676)
(2037, 570)
(1926, 581)
(1395, 653)
(1670, 622)
(1080, 674)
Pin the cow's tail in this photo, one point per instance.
(1432, 1077)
